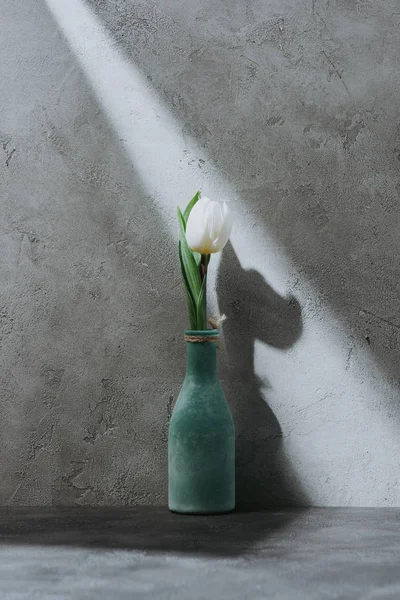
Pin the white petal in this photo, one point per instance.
(214, 219)
(197, 235)
(225, 230)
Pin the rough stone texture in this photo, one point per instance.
(135, 553)
(296, 104)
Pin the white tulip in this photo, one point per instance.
(209, 226)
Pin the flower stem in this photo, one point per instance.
(203, 274)
(203, 266)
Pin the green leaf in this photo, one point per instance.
(190, 301)
(182, 223)
(201, 306)
(183, 220)
(190, 265)
(190, 269)
(189, 207)
(183, 217)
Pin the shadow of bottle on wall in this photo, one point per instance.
(255, 311)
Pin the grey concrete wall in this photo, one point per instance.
(113, 111)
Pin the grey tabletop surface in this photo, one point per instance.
(118, 553)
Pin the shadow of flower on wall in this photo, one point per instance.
(255, 312)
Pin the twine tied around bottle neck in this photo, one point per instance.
(201, 338)
(215, 322)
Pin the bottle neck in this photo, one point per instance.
(201, 360)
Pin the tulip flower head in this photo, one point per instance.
(205, 227)
(209, 226)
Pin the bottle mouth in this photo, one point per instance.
(202, 332)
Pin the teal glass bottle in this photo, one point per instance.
(201, 440)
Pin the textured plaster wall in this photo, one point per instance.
(293, 104)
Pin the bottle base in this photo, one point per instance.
(201, 512)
